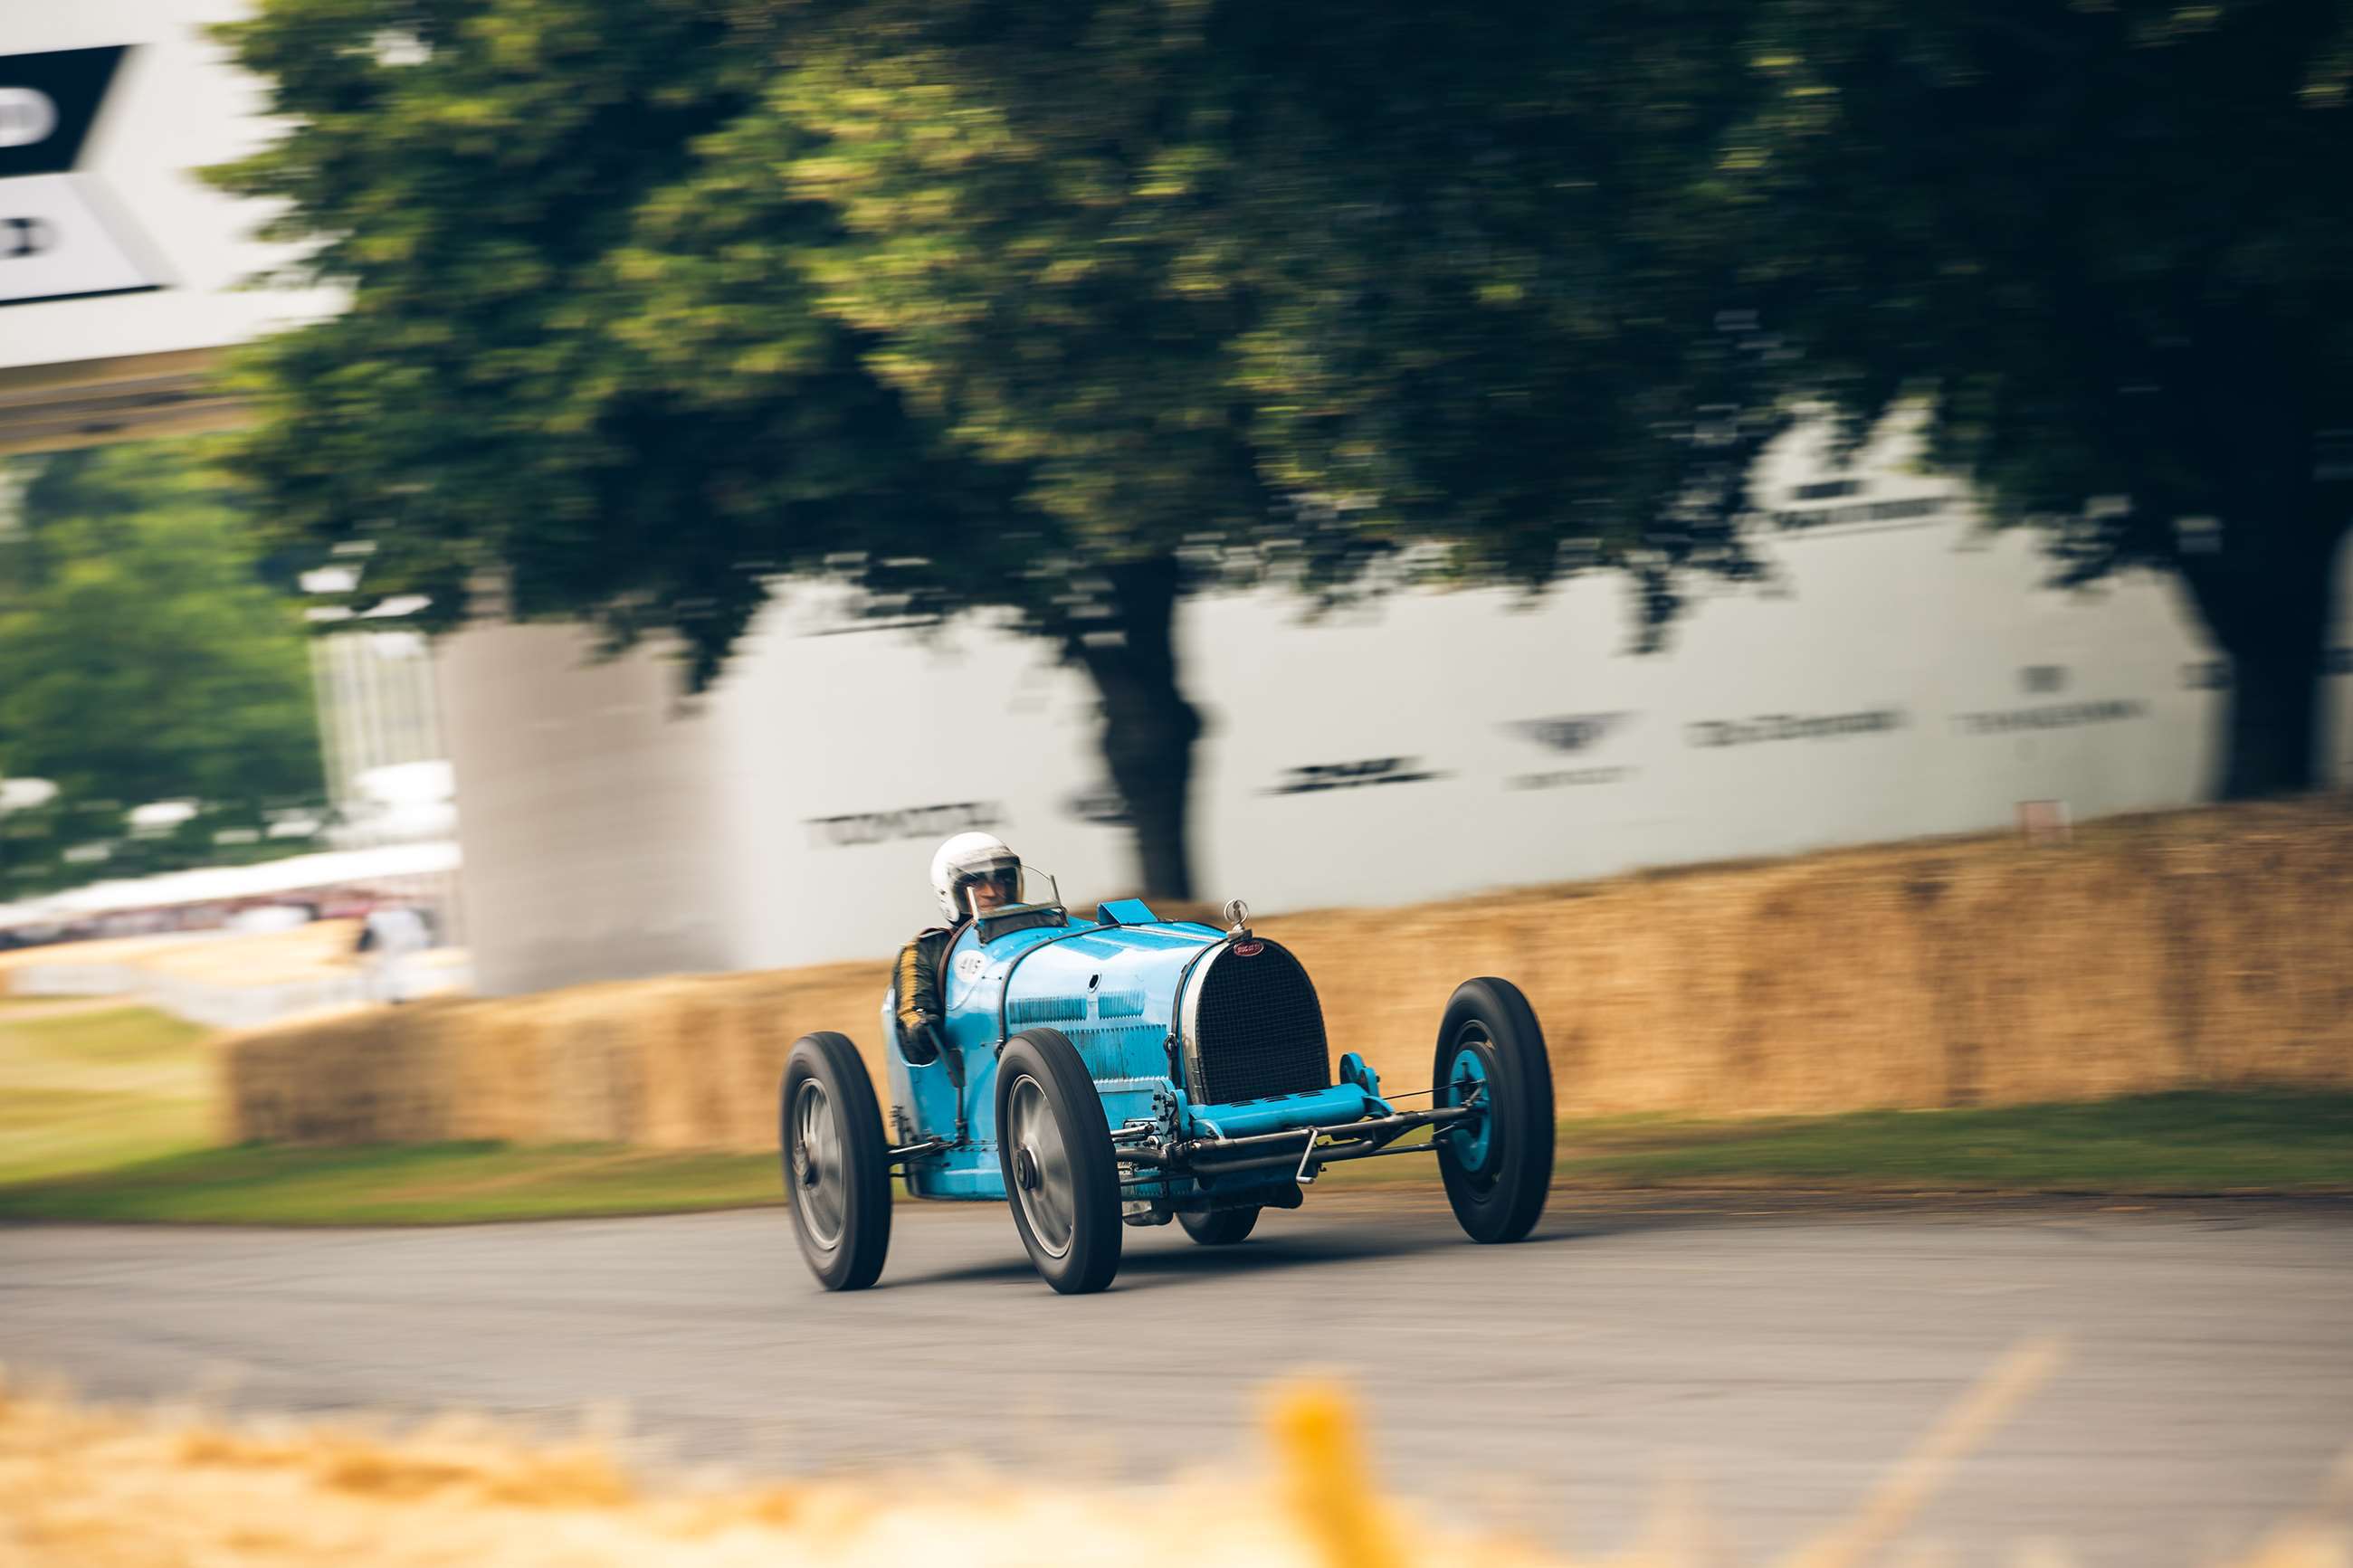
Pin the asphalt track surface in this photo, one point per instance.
(1774, 1354)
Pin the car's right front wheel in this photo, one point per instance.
(1496, 1163)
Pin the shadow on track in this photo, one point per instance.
(1150, 1266)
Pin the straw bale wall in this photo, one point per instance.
(2210, 948)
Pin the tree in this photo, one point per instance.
(1061, 310)
(145, 659)
(2103, 247)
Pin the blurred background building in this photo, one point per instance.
(1907, 673)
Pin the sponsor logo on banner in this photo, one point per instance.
(1320, 777)
(1569, 733)
(2050, 716)
(57, 238)
(2206, 675)
(915, 822)
(1101, 805)
(2043, 680)
(1569, 778)
(1766, 727)
(2214, 674)
(1911, 510)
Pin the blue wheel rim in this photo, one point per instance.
(1466, 1080)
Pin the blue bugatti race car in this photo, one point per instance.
(1131, 1070)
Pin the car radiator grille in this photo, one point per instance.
(1259, 1027)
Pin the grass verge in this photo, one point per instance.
(86, 1088)
(437, 1183)
(103, 1116)
(2201, 1142)
(2265, 1142)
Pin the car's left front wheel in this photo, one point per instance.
(837, 1165)
(1062, 1178)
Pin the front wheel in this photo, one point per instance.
(837, 1166)
(1053, 1144)
(1497, 1166)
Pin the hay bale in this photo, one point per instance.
(2195, 948)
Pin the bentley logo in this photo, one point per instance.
(1568, 732)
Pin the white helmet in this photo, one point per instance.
(967, 858)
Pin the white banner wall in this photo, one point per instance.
(1906, 674)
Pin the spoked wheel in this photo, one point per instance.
(1054, 1146)
(1497, 1166)
(1223, 1227)
(836, 1175)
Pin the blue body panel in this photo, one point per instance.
(1318, 1108)
(1108, 988)
(1113, 989)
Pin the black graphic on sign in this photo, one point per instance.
(1568, 732)
(1766, 727)
(2043, 680)
(55, 240)
(46, 104)
(915, 822)
(25, 236)
(1352, 775)
(2052, 716)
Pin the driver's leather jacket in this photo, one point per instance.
(916, 978)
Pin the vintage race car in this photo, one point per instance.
(1131, 1070)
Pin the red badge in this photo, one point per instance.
(1248, 949)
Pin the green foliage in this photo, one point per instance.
(1065, 309)
(1059, 309)
(506, 390)
(2106, 246)
(146, 659)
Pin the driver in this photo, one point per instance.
(971, 871)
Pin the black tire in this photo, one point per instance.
(842, 1217)
(1070, 1179)
(1223, 1227)
(1499, 1196)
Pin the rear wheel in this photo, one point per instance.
(1222, 1228)
(1497, 1167)
(1053, 1144)
(836, 1169)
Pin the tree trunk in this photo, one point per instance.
(2273, 725)
(2272, 612)
(1148, 727)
